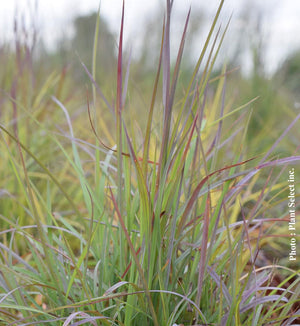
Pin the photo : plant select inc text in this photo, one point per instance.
(292, 215)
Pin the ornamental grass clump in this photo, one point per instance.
(140, 227)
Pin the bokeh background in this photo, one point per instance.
(262, 37)
(277, 22)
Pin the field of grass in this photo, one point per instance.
(164, 207)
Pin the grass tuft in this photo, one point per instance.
(117, 224)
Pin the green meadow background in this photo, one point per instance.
(146, 189)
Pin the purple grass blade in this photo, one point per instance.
(39, 322)
(218, 281)
(226, 141)
(280, 138)
(150, 115)
(254, 304)
(118, 115)
(244, 181)
(76, 315)
(173, 231)
(97, 88)
(44, 226)
(246, 224)
(120, 67)
(265, 288)
(56, 101)
(202, 264)
(197, 190)
(166, 62)
(178, 61)
(114, 287)
(215, 229)
(262, 300)
(187, 145)
(222, 111)
(290, 321)
(89, 320)
(126, 78)
(10, 292)
(81, 141)
(282, 161)
(49, 321)
(18, 258)
(198, 310)
(187, 118)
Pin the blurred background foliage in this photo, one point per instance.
(278, 92)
